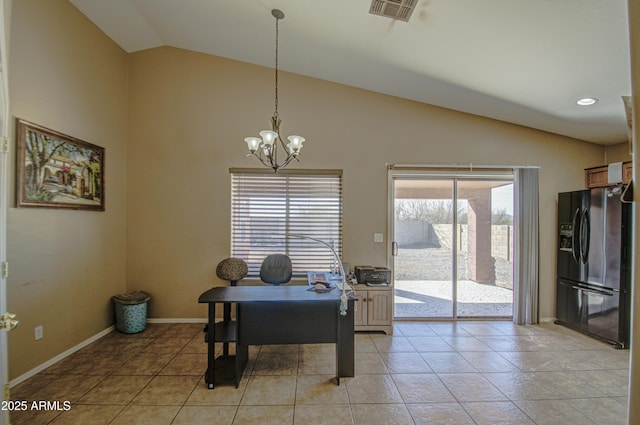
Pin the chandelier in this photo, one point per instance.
(265, 147)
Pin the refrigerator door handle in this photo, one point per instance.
(585, 289)
(595, 291)
(585, 235)
(574, 245)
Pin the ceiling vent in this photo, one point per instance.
(394, 9)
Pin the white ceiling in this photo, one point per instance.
(520, 61)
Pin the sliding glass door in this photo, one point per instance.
(452, 246)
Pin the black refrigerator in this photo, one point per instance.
(594, 263)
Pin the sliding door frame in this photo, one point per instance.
(434, 173)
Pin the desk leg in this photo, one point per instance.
(227, 318)
(210, 375)
(346, 344)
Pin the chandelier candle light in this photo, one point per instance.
(265, 147)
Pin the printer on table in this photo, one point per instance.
(373, 276)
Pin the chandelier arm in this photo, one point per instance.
(260, 157)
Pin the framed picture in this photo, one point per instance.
(57, 171)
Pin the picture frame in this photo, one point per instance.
(55, 170)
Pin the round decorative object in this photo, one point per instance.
(232, 269)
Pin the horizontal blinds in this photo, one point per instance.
(267, 207)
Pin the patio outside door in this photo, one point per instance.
(453, 246)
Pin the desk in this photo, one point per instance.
(276, 315)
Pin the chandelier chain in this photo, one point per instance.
(265, 148)
(276, 73)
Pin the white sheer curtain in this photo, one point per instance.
(526, 261)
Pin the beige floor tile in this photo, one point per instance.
(68, 388)
(440, 414)
(318, 348)
(167, 390)
(67, 364)
(270, 390)
(195, 346)
(424, 344)
(328, 414)
(613, 383)
(364, 344)
(381, 414)
(552, 412)
(116, 390)
(146, 415)
(519, 386)
(186, 364)
(605, 411)
(471, 387)
(388, 343)
(205, 415)
(448, 328)
(280, 348)
(264, 415)
(317, 363)
(372, 389)
(276, 363)
(567, 384)
(166, 345)
(448, 362)
(405, 363)
(529, 361)
(478, 328)
(465, 343)
(425, 388)
(222, 395)
(369, 363)
(99, 366)
(26, 389)
(145, 364)
(497, 412)
(414, 329)
(32, 417)
(320, 389)
(488, 361)
(183, 330)
(88, 415)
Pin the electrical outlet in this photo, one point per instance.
(38, 331)
(378, 237)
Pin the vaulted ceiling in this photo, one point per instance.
(521, 61)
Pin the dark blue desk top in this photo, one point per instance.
(236, 294)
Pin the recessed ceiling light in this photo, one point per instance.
(587, 101)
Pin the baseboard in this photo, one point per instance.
(59, 357)
(547, 319)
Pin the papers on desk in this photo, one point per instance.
(321, 281)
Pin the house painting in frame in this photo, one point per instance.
(57, 171)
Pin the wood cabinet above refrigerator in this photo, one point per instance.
(599, 176)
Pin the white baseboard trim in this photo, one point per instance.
(59, 357)
(547, 319)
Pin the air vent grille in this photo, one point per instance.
(394, 9)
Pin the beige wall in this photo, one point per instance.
(66, 75)
(189, 113)
(617, 153)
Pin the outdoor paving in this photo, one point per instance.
(422, 299)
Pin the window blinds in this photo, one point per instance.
(267, 207)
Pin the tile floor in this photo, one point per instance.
(426, 373)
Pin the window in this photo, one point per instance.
(267, 207)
